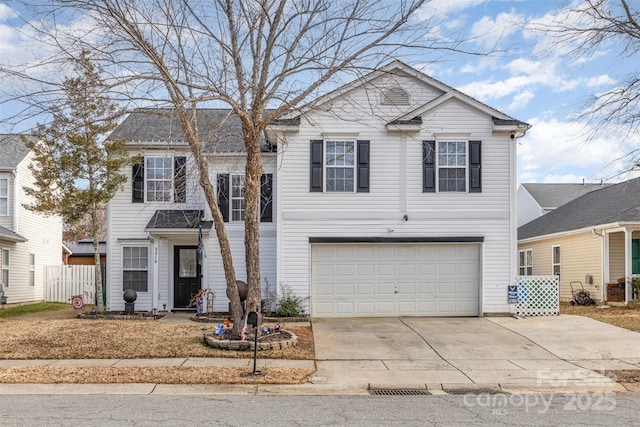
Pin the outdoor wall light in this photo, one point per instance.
(406, 217)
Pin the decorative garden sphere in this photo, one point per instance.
(130, 295)
(243, 290)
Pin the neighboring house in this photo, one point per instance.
(81, 252)
(535, 200)
(392, 195)
(593, 239)
(28, 241)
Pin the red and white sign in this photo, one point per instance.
(76, 302)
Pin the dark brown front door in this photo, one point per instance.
(186, 276)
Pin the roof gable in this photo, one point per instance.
(12, 151)
(606, 205)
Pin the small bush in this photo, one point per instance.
(289, 304)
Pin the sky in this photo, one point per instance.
(527, 77)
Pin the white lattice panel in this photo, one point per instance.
(538, 296)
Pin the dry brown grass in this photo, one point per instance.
(627, 317)
(60, 335)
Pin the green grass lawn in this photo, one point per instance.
(38, 307)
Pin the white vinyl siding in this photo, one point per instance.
(396, 188)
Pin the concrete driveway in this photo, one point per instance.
(536, 352)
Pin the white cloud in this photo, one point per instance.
(601, 80)
(6, 12)
(521, 100)
(556, 151)
(489, 32)
(444, 7)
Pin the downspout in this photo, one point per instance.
(603, 264)
(154, 291)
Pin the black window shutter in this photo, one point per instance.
(428, 166)
(363, 167)
(316, 166)
(266, 198)
(475, 168)
(137, 182)
(180, 180)
(223, 195)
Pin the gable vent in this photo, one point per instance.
(395, 96)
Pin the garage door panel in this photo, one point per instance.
(395, 279)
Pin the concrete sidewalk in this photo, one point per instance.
(441, 355)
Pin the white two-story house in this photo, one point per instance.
(392, 195)
(28, 241)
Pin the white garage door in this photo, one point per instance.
(350, 280)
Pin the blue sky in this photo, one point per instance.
(528, 77)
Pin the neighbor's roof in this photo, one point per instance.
(550, 196)
(12, 151)
(6, 234)
(84, 247)
(218, 128)
(164, 219)
(606, 205)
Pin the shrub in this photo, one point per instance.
(289, 304)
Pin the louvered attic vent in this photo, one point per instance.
(395, 96)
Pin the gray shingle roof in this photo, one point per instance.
(554, 195)
(219, 128)
(12, 151)
(178, 219)
(6, 234)
(606, 205)
(85, 247)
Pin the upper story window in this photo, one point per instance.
(159, 179)
(451, 166)
(339, 166)
(4, 197)
(231, 188)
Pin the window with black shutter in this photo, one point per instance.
(223, 196)
(475, 169)
(363, 166)
(180, 180)
(266, 198)
(428, 166)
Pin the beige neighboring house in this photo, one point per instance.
(591, 241)
(28, 241)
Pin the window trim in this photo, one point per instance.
(525, 268)
(5, 197)
(171, 179)
(233, 198)
(440, 167)
(555, 264)
(123, 269)
(5, 266)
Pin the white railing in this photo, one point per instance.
(64, 281)
(538, 296)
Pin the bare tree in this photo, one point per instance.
(260, 58)
(591, 25)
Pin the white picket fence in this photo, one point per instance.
(64, 281)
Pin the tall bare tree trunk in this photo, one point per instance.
(96, 259)
(253, 173)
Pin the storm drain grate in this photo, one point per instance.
(473, 391)
(399, 392)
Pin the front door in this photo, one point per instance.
(186, 275)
